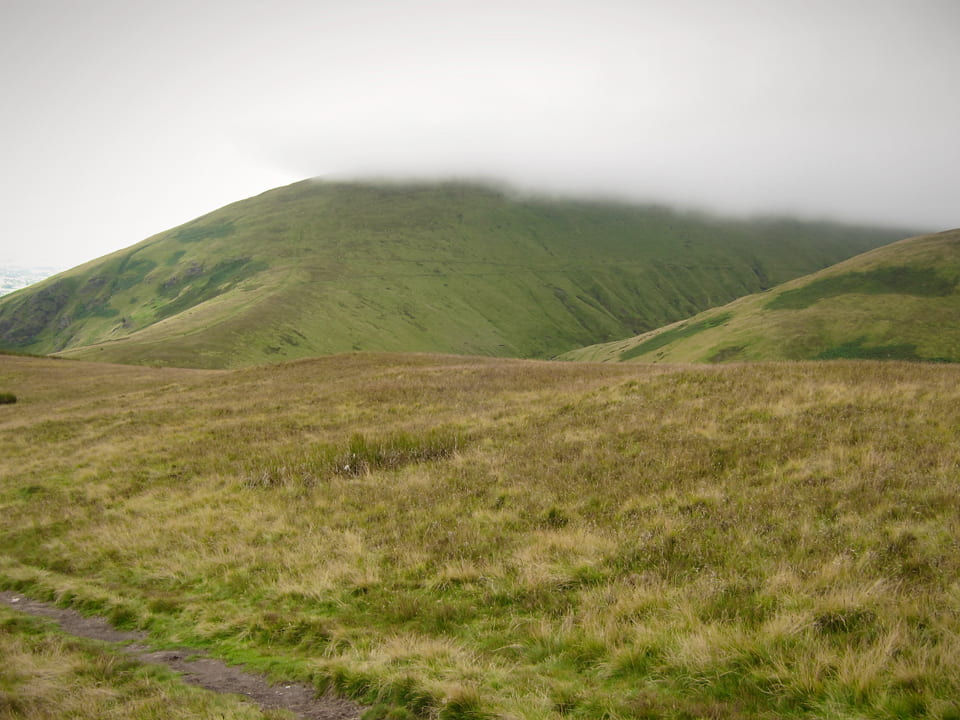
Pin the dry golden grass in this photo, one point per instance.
(619, 541)
(47, 676)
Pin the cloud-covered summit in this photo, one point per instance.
(129, 117)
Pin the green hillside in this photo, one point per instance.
(897, 302)
(316, 268)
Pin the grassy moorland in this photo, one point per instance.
(317, 268)
(896, 302)
(456, 537)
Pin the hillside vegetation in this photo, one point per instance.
(317, 268)
(463, 538)
(896, 302)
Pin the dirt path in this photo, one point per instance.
(196, 668)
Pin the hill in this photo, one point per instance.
(896, 302)
(316, 268)
(458, 537)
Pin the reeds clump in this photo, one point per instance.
(361, 455)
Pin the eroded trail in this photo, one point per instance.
(195, 667)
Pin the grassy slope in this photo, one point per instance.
(316, 268)
(896, 302)
(530, 539)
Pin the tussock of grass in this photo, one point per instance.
(360, 456)
(526, 539)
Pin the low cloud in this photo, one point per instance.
(819, 108)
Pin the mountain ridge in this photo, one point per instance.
(317, 268)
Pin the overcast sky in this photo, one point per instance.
(124, 118)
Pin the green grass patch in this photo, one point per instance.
(132, 272)
(84, 311)
(893, 280)
(198, 230)
(193, 289)
(679, 333)
(856, 350)
(727, 354)
(7, 398)
(174, 258)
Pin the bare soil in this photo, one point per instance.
(195, 667)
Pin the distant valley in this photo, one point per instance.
(898, 302)
(14, 277)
